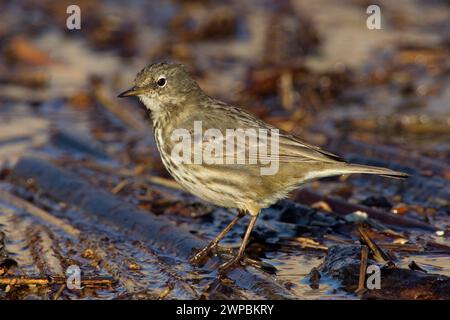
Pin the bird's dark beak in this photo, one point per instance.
(131, 92)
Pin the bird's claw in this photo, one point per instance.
(229, 265)
(201, 256)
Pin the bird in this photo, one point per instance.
(177, 105)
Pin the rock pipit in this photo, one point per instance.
(225, 158)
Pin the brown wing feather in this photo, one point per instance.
(291, 148)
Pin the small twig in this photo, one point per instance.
(166, 291)
(310, 243)
(378, 253)
(46, 281)
(338, 239)
(38, 212)
(164, 182)
(122, 184)
(401, 247)
(59, 292)
(287, 92)
(362, 271)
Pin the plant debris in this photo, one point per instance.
(82, 183)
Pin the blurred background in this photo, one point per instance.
(313, 68)
(309, 67)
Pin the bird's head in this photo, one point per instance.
(163, 85)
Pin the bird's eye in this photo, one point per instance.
(161, 82)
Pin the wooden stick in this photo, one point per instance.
(122, 184)
(59, 292)
(164, 182)
(362, 271)
(378, 253)
(310, 243)
(45, 281)
(401, 247)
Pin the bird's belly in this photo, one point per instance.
(227, 186)
(214, 185)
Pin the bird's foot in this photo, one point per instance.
(225, 252)
(201, 256)
(229, 265)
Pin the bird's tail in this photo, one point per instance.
(359, 168)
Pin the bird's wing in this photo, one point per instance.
(257, 140)
(252, 146)
(294, 146)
